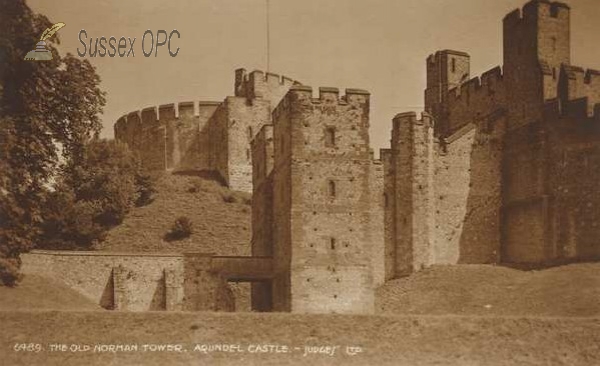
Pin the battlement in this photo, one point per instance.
(410, 118)
(165, 111)
(577, 83)
(475, 98)
(577, 109)
(538, 33)
(446, 69)
(261, 85)
(533, 9)
(489, 81)
(588, 76)
(434, 58)
(326, 96)
(332, 95)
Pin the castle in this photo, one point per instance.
(206, 135)
(502, 168)
(499, 169)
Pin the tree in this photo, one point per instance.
(43, 106)
(93, 194)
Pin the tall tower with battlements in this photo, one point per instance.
(536, 44)
(446, 70)
(321, 194)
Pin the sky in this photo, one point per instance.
(377, 45)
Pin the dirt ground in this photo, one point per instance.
(39, 293)
(461, 315)
(382, 340)
(445, 315)
(570, 290)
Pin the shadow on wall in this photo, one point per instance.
(159, 298)
(481, 232)
(468, 194)
(107, 300)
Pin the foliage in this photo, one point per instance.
(43, 106)
(9, 271)
(182, 228)
(93, 194)
(145, 185)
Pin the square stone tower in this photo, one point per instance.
(322, 239)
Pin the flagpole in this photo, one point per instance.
(268, 38)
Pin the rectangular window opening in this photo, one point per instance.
(330, 137)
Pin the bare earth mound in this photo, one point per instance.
(571, 290)
(39, 293)
(220, 218)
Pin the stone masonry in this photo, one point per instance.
(206, 136)
(501, 168)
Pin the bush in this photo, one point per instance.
(229, 197)
(9, 272)
(236, 197)
(182, 228)
(70, 224)
(196, 186)
(93, 193)
(145, 189)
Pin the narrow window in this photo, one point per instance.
(250, 133)
(553, 40)
(330, 137)
(453, 65)
(248, 154)
(332, 243)
(331, 188)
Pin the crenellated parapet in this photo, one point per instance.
(533, 9)
(207, 136)
(476, 100)
(162, 135)
(313, 117)
(260, 85)
(326, 95)
(577, 83)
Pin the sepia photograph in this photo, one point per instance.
(283, 182)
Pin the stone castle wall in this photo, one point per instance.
(206, 136)
(500, 168)
(322, 202)
(262, 211)
(503, 145)
(151, 281)
(135, 282)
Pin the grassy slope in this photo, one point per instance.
(571, 290)
(221, 221)
(386, 340)
(39, 293)
(220, 227)
(494, 298)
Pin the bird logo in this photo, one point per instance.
(41, 53)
